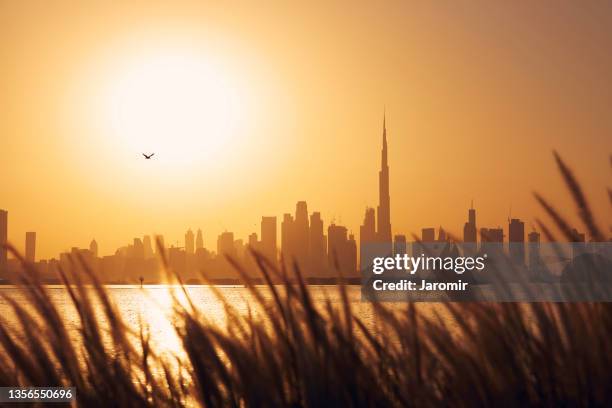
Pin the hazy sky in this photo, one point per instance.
(251, 107)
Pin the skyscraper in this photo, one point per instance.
(428, 234)
(189, 242)
(317, 243)
(138, 249)
(30, 246)
(93, 248)
(3, 238)
(199, 240)
(516, 239)
(367, 238)
(287, 237)
(301, 230)
(367, 232)
(384, 200)
(534, 251)
(268, 237)
(399, 245)
(470, 231)
(148, 248)
(342, 250)
(225, 244)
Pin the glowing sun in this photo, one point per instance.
(179, 106)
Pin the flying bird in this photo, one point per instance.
(149, 156)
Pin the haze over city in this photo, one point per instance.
(248, 112)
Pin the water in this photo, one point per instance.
(150, 307)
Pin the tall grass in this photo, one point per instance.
(304, 353)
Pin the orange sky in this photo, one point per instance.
(477, 95)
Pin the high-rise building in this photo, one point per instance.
(239, 248)
(318, 250)
(350, 256)
(288, 238)
(492, 242)
(30, 246)
(399, 245)
(225, 244)
(442, 235)
(342, 250)
(93, 248)
(189, 242)
(336, 239)
(138, 249)
(253, 242)
(367, 239)
(268, 237)
(470, 231)
(3, 239)
(148, 247)
(384, 199)
(302, 233)
(367, 232)
(428, 235)
(495, 235)
(199, 243)
(516, 239)
(534, 250)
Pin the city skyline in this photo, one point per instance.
(302, 239)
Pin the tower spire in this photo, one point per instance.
(384, 213)
(384, 144)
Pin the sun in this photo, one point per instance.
(182, 107)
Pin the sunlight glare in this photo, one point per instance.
(181, 107)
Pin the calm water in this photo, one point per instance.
(151, 307)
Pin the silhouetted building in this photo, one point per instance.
(268, 238)
(349, 261)
(239, 248)
(30, 246)
(516, 239)
(442, 235)
(93, 248)
(253, 242)
(138, 249)
(534, 250)
(148, 247)
(189, 242)
(288, 238)
(495, 235)
(367, 232)
(317, 243)
(428, 235)
(341, 250)
(367, 239)
(384, 199)
(492, 242)
(470, 232)
(3, 239)
(399, 245)
(225, 244)
(178, 260)
(199, 243)
(302, 233)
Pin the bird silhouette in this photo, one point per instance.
(149, 156)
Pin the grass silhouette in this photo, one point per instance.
(303, 354)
